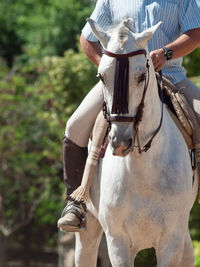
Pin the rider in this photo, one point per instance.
(176, 37)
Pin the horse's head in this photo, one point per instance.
(124, 71)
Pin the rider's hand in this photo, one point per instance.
(158, 58)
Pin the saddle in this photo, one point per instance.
(182, 114)
(185, 119)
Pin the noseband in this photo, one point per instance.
(120, 98)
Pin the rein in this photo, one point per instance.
(120, 99)
(146, 147)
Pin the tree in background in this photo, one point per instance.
(32, 28)
(191, 63)
(28, 148)
(34, 107)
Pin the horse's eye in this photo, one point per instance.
(100, 77)
(142, 78)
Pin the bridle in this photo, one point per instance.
(140, 110)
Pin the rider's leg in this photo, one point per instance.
(80, 124)
(75, 141)
(96, 150)
(192, 94)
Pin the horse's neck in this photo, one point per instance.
(152, 110)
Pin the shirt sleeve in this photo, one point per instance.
(189, 15)
(101, 15)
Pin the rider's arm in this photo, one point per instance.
(186, 43)
(182, 46)
(88, 40)
(188, 19)
(91, 49)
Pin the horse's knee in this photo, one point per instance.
(188, 253)
(86, 250)
(92, 236)
(87, 243)
(170, 255)
(119, 252)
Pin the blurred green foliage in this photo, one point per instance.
(191, 63)
(197, 253)
(33, 28)
(35, 103)
(28, 148)
(196, 80)
(146, 256)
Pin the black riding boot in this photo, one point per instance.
(74, 158)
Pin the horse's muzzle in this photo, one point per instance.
(121, 147)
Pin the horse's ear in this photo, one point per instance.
(143, 37)
(99, 32)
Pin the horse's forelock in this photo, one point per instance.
(123, 35)
(122, 29)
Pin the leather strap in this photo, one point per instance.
(148, 144)
(121, 118)
(131, 54)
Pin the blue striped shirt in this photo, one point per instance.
(178, 16)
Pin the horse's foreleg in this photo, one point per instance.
(87, 243)
(120, 251)
(188, 254)
(170, 252)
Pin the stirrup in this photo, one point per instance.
(73, 211)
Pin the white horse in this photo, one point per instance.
(139, 199)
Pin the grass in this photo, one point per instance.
(196, 245)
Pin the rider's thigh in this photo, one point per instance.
(192, 94)
(80, 124)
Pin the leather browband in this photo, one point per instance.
(132, 54)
